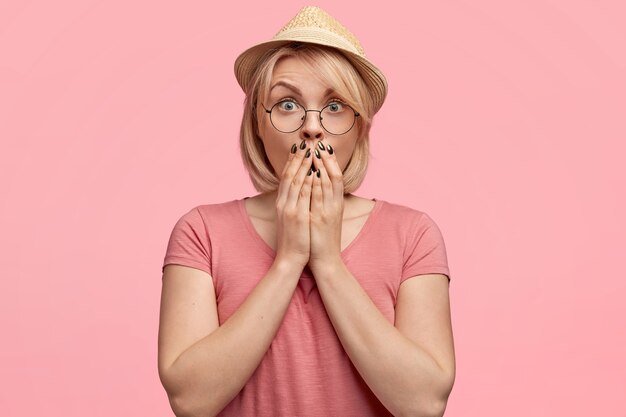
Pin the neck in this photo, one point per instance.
(267, 201)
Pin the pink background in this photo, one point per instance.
(505, 121)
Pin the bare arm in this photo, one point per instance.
(203, 378)
(202, 365)
(408, 365)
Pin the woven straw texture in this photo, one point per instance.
(314, 25)
(313, 17)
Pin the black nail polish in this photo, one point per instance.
(294, 148)
(317, 153)
(308, 153)
(318, 173)
(321, 146)
(302, 144)
(309, 173)
(330, 150)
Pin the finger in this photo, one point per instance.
(325, 162)
(325, 186)
(295, 184)
(294, 162)
(290, 157)
(304, 201)
(331, 177)
(317, 197)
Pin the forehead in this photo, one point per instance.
(292, 65)
(297, 72)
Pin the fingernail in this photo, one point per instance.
(318, 173)
(321, 145)
(330, 149)
(317, 153)
(294, 148)
(309, 173)
(308, 153)
(302, 144)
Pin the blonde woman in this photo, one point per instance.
(306, 300)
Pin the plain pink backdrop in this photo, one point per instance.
(505, 121)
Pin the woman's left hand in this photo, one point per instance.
(326, 209)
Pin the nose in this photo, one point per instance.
(312, 128)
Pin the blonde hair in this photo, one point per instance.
(333, 67)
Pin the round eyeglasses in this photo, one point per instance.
(336, 117)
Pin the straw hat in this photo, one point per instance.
(314, 25)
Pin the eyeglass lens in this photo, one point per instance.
(288, 116)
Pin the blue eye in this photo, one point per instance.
(335, 106)
(288, 105)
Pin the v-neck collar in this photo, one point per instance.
(371, 217)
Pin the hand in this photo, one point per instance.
(326, 209)
(292, 209)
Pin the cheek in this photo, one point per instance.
(278, 161)
(277, 154)
(343, 161)
(344, 152)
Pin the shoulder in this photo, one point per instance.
(361, 206)
(212, 209)
(400, 213)
(230, 205)
(204, 214)
(410, 223)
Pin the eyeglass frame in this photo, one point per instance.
(306, 112)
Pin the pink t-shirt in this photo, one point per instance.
(306, 371)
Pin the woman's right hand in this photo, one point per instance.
(293, 207)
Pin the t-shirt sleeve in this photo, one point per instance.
(425, 251)
(189, 243)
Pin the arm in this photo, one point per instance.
(201, 378)
(202, 365)
(409, 366)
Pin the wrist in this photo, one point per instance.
(288, 265)
(326, 266)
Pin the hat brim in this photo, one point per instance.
(248, 61)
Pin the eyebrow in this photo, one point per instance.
(296, 89)
(287, 85)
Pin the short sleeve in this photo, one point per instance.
(425, 250)
(189, 243)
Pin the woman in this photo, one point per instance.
(306, 300)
